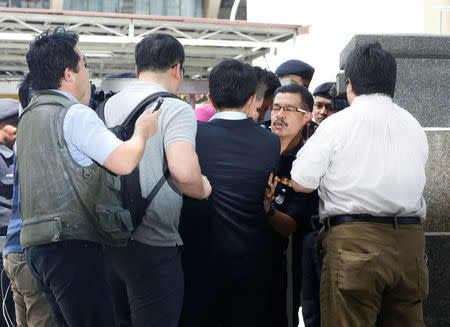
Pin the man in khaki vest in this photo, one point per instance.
(69, 203)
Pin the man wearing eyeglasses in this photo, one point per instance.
(289, 213)
(150, 266)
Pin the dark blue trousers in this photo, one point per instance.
(151, 277)
(72, 276)
(312, 267)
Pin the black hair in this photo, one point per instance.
(261, 82)
(231, 84)
(25, 91)
(273, 82)
(306, 97)
(50, 53)
(158, 52)
(371, 70)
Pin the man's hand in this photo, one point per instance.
(310, 131)
(206, 187)
(322, 233)
(281, 222)
(147, 123)
(270, 190)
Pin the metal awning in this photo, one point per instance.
(108, 39)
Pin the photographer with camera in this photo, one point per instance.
(368, 163)
(68, 199)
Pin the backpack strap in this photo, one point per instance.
(158, 186)
(135, 202)
(100, 110)
(141, 106)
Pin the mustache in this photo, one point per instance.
(281, 121)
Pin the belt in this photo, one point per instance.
(337, 220)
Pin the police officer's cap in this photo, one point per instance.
(323, 90)
(9, 108)
(295, 67)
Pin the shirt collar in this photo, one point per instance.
(67, 95)
(147, 84)
(372, 97)
(229, 115)
(5, 151)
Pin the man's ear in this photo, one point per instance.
(249, 103)
(308, 117)
(136, 72)
(350, 92)
(68, 75)
(211, 101)
(176, 73)
(349, 85)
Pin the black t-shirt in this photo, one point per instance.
(299, 206)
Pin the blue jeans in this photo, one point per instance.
(72, 276)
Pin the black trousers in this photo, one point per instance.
(72, 276)
(312, 267)
(148, 284)
(226, 292)
(277, 314)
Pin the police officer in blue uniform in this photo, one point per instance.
(322, 108)
(9, 119)
(295, 72)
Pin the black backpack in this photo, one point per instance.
(130, 189)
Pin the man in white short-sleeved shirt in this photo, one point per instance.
(368, 163)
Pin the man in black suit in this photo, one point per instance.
(227, 237)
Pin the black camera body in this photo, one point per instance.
(338, 93)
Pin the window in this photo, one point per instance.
(37, 4)
(185, 8)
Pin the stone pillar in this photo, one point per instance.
(423, 88)
(57, 4)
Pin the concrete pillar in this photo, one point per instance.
(57, 4)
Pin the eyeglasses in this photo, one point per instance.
(287, 108)
(181, 67)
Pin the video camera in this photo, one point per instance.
(338, 93)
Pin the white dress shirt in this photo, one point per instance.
(366, 159)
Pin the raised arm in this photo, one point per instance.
(127, 156)
(185, 170)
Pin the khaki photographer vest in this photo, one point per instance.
(61, 200)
